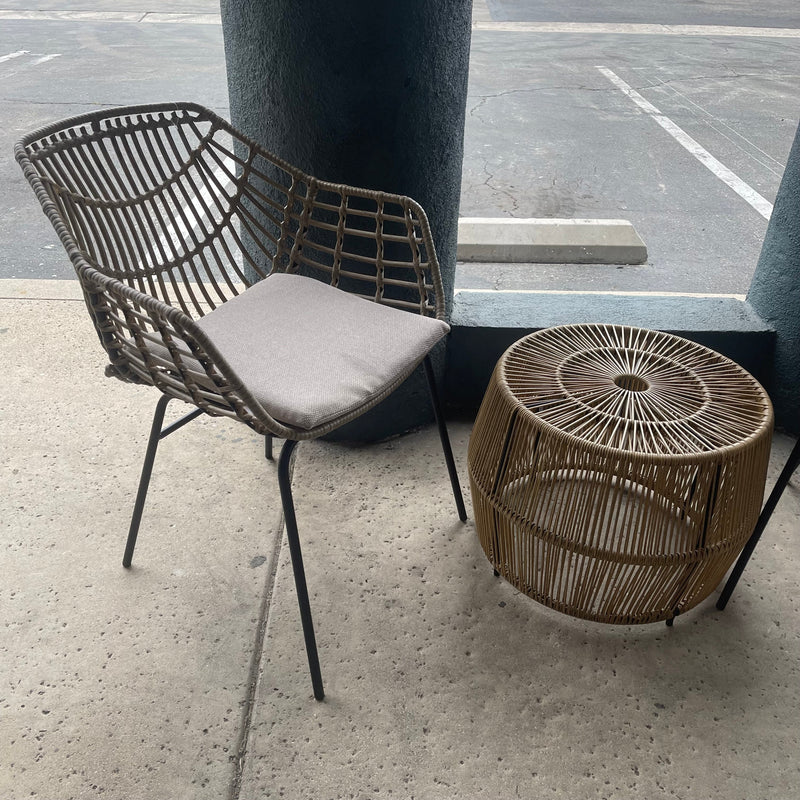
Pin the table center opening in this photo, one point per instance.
(633, 383)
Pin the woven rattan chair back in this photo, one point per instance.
(167, 212)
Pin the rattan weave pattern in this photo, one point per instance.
(167, 211)
(617, 472)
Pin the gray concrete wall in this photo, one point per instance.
(775, 294)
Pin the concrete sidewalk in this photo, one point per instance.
(186, 676)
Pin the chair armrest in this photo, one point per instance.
(151, 342)
(373, 244)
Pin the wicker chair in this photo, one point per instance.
(228, 279)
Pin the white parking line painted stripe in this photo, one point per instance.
(172, 18)
(736, 138)
(744, 190)
(9, 56)
(111, 16)
(45, 59)
(480, 23)
(26, 63)
(73, 16)
(635, 29)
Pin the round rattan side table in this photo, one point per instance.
(617, 472)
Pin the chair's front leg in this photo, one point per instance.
(285, 484)
(157, 433)
(144, 480)
(445, 439)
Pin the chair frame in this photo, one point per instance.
(144, 290)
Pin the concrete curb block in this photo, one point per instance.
(549, 241)
(485, 323)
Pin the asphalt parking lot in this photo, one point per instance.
(677, 118)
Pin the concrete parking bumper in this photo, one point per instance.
(549, 241)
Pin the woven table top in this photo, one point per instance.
(635, 390)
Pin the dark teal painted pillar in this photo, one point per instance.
(366, 93)
(775, 294)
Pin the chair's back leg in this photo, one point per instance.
(268, 447)
(285, 484)
(445, 439)
(144, 480)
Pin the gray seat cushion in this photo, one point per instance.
(311, 353)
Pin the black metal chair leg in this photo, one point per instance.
(775, 495)
(144, 480)
(671, 620)
(285, 484)
(445, 439)
(157, 433)
(268, 447)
